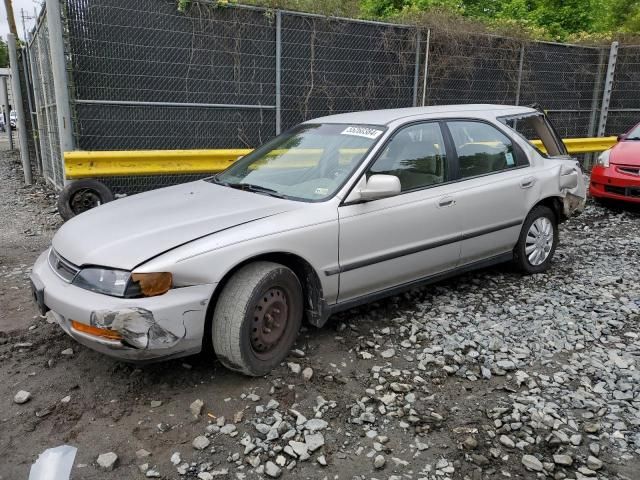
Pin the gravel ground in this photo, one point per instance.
(488, 376)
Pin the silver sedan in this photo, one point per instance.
(336, 212)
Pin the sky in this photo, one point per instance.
(27, 5)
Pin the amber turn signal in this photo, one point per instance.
(95, 331)
(152, 284)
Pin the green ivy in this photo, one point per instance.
(183, 5)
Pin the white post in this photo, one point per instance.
(60, 85)
(19, 108)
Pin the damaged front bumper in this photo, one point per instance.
(166, 326)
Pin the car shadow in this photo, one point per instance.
(619, 206)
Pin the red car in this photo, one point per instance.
(616, 175)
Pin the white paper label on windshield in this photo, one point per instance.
(366, 132)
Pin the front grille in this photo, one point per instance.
(63, 268)
(627, 192)
(629, 170)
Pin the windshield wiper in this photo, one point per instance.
(632, 138)
(249, 187)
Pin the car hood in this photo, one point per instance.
(126, 232)
(626, 153)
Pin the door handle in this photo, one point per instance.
(446, 202)
(527, 182)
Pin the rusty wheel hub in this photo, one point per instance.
(269, 320)
(84, 200)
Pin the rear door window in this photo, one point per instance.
(482, 149)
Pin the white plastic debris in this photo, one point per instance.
(54, 464)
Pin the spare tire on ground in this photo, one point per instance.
(82, 195)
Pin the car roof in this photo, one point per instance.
(385, 117)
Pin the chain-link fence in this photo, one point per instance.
(45, 103)
(142, 75)
(624, 110)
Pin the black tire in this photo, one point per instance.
(257, 318)
(82, 195)
(521, 259)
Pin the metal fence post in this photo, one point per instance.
(60, 85)
(278, 70)
(426, 68)
(593, 117)
(26, 66)
(19, 108)
(608, 87)
(416, 72)
(6, 110)
(519, 83)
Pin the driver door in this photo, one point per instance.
(397, 240)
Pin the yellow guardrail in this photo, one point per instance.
(92, 164)
(585, 145)
(84, 164)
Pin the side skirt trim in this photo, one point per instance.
(371, 297)
(420, 248)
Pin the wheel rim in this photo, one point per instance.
(270, 319)
(85, 199)
(539, 241)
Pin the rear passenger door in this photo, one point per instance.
(496, 187)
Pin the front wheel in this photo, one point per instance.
(538, 241)
(257, 318)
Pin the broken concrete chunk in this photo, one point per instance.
(314, 441)
(379, 462)
(315, 424)
(22, 397)
(200, 443)
(107, 461)
(390, 352)
(196, 407)
(294, 367)
(532, 463)
(272, 470)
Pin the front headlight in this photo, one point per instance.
(603, 158)
(103, 280)
(120, 283)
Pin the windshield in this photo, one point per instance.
(634, 134)
(310, 162)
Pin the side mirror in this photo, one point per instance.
(380, 186)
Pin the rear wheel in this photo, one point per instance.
(257, 318)
(538, 241)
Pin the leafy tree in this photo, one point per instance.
(558, 19)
